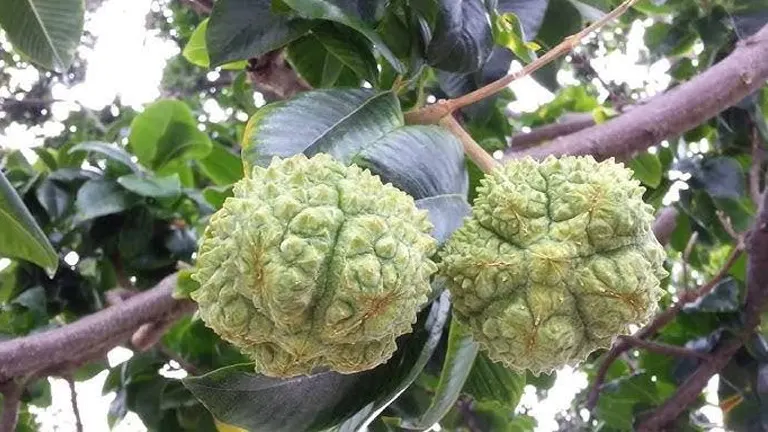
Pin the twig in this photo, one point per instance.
(89, 336)
(433, 113)
(271, 75)
(11, 391)
(686, 106)
(756, 169)
(657, 324)
(686, 256)
(662, 348)
(73, 398)
(472, 149)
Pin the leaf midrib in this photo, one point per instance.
(45, 33)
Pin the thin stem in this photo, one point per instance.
(75, 408)
(756, 169)
(433, 113)
(662, 348)
(472, 149)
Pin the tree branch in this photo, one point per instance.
(757, 294)
(662, 348)
(92, 335)
(472, 149)
(11, 392)
(688, 105)
(665, 224)
(538, 135)
(271, 75)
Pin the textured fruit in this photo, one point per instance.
(557, 259)
(313, 264)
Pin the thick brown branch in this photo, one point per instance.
(665, 224)
(540, 134)
(91, 334)
(744, 71)
(11, 392)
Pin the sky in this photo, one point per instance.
(127, 61)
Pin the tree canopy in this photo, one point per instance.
(102, 214)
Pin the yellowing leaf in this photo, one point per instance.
(223, 427)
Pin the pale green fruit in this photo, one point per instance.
(557, 259)
(314, 265)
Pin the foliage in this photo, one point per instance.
(120, 198)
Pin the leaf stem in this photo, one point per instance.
(433, 113)
(472, 149)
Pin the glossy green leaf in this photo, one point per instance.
(22, 237)
(530, 13)
(647, 169)
(619, 398)
(216, 196)
(239, 397)
(508, 32)
(459, 358)
(361, 127)
(492, 382)
(112, 152)
(462, 39)
(721, 177)
(242, 29)
(149, 186)
(167, 131)
(48, 31)
(221, 165)
(196, 51)
(54, 199)
(331, 11)
(330, 55)
(101, 197)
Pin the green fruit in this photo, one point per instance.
(314, 265)
(557, 259)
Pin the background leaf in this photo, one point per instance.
(462, 39)
(101, 197)
(22, 237)
(647, 169)
(148, 186)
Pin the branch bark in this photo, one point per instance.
(75, 408)
(665, 224)
(90, 336)
(271, 75)
(688, 105)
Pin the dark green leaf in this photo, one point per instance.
(721, 177)
(167, 131)
(22, 237)
(53, 198)
(148, 186)
(647, 169)
(446, 212)
(329, 10)
(136, 233)
(462, 39)
(330, 54)
(619, 397)
(48, 31)
(724, 297)
(221, 166)
(115, 153)
(215, 196)
(492, 382)
(239, 397)
(361, 127)
(101, 197)
(459, 358)
(241, 29)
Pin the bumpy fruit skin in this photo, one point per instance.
(557, 259)
(314, 265)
